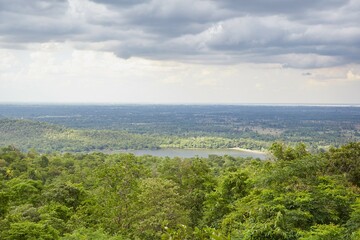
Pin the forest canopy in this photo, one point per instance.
(295, 195)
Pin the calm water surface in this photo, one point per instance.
(189, 153)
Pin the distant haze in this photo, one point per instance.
(180, 51)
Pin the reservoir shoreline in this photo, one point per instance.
(248, 150)
(193, 152)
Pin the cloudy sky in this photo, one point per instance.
(180, 51)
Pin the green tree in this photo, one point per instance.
(25, 191)
(90, 234)
(287, 153)
(346, 160)
(232, 187)
(195, 180)
(324, 232)
(68, 194)
(31, 231)
(160, 206)
(118, 187)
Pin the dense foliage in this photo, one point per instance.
(295, 195)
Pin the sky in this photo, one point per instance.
(180, 51)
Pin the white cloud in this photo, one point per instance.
(352, 76)
(307, 61)
(7, 60)
(59, 73)
(335, 77)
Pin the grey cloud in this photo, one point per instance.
(302, 34)
(34, 21)
(174, 18)
(286, 7)
(120, 3)
(34, 7)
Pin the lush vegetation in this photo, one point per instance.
(209, 126)
(54, 185)
(71, 128)
(27, 134)
(296, 195)
(44, 137)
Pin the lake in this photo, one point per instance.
(189, 153)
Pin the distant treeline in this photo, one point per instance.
(296, 195)
(189, 125)
(44, 137)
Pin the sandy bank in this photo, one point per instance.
(248, 150)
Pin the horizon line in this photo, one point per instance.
(180, 104)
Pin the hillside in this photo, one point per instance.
(27, 134)
(45, 137)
